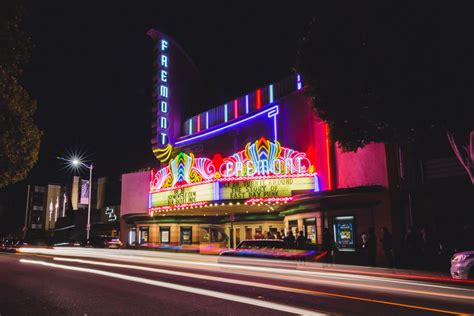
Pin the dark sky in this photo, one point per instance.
(91, 72)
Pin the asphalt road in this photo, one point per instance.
(77, 281)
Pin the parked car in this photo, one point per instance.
(106, 242)
(462, 265)
(268, 249)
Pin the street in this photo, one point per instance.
(79, 281)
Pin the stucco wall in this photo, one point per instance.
(367, 166)
(135, 189)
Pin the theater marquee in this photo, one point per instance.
(263, 170)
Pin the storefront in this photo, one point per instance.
(260, 165)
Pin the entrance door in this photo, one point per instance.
(164, 235)
(237, 236)
(144, 233)
(310, 229)
(248, 233)
(186, 237)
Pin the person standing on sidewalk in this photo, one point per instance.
(387, 245)
(372, 247)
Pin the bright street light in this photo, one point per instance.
(76, 162)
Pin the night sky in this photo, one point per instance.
(91, 73)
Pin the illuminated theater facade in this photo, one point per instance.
(261, 162)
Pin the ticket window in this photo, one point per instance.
(186, 237)
(164, 235)
(310, 229)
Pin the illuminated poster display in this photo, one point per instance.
(344, 233)
(263, 170)
(197, 193)
(264, 188)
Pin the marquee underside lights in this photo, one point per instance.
(263, 170)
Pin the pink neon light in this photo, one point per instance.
(270, 200)
(199, 122)
(177, 206)
(258, 102)
(236, 108)
(328, 158)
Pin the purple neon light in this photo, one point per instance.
(226, 118)
(207, 120)
(246, 119)
(246, 104)
(316, 183)
(215, 187)
(299, 85)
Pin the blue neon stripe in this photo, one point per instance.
(246, 119)
(225, 113)
(270, 90)
(207, 120)
(190, 126)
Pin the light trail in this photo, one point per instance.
(342, 280)
(253, 284)
(182, 288)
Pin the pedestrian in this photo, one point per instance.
(301, 241)
(364, 253)
(290, 240)
(410, 252)
(387, 246)
(328, 245)
(371, 247)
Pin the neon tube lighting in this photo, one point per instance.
(236, 108)
(258, 99)
(328, 158)
(270, 93)
(246, 119)
(246, 104)
(199, 123)
(226, 118)
(237, 179)
(207, 120)
(190, 126)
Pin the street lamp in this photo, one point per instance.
(77, 163)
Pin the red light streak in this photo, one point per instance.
(199, 123)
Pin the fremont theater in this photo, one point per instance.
(261, 162)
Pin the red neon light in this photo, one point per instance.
(328, 158)
(236, 108)
(259, 99)
(199, 123)
(269, 200)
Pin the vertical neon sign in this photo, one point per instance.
(163, 93)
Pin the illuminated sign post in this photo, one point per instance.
(263, 171)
